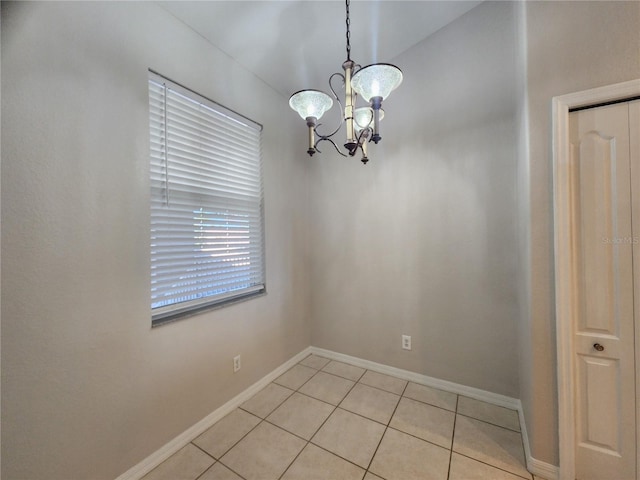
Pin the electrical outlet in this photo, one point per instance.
(406, 342)
(236, 364)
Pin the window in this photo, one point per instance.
(207, 241)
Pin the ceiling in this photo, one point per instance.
(297, 44)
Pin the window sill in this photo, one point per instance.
(171, 317)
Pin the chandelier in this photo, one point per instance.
(373, 83)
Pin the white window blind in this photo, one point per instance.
(207, 242)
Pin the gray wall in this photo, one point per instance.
(571, 46)
(88, 388)
(422, 240)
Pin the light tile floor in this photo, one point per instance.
(327, 420)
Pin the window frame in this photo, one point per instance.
(255, 229)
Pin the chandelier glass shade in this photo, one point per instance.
(310, 103)
(373, 83)
(377, 80)
(363, 118)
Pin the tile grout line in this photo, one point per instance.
(204, 451)
(363, 416)
(308, 396)
(370, 386)
(492, 466)
(400, 395)
(422, 402)
(216, 460)
(453, 436)
(489, 464)
(274, 408)
(225, 466)
(241, 438)
(233, 446)
(335, 374)
(490, 423)
(387, 425)
(335, 407)
(339, 456)
(219, 460)
(386, 428)
(307, 441)
(430, 442)
(475, 459)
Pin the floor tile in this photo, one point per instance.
(344, 370)
(295, 377)
(403, 457)
(315, 361)
(301, 415)
(371, 403)
(424, 421)
(219, 472)
(314, 463)
(266, 400)
(226, 433)
(490, 444)
(328, 388)
(464, 468)
(371, 476)
(264, 454)
(345, 441)
(432, 396)
(384, 382)
(350, 436)
(503, 417)
(186, 464)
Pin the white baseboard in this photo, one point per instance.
(478, 394)
(538, 468)
(152, 461)
(542, 470)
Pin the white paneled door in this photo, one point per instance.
(605, 185)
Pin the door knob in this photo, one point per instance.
(598, 347)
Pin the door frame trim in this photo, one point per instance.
(563, 257)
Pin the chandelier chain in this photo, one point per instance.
(348, 22)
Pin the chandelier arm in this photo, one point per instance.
(340, 111)
(331, 85)
(323, 137)
(364, 133)
(332, 143)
